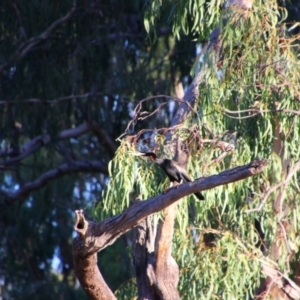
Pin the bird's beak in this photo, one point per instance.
(138, 153)
(141, 154)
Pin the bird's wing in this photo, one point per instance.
(183, 174)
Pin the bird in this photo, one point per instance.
(172, 170)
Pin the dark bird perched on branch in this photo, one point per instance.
(173, 170)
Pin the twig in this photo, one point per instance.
(224, 146)
(279, 200)
(275, 187)
(54, 101)
(142, 115)
(159, 130)
(256, 112)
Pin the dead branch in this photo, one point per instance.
(32, 42)
(74, 167)
(53, 101)
(88, 273)
(40, 141)
(282, 281)
(142, 115)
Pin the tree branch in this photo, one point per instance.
(165, 274)
(142, 115)
(74, 167)
(96, 236)
(25, 150)
(257, 112)
(53, 101)
(282, 281)
(40, 141)
(91, 279)
(104, 139)
(144, 259)
(29, 44)
(192, 93)
(75, 132)
(279, 201)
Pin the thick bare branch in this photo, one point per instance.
(166, 272)
(40, 141)
(74, 167)
(190, 97)
(25, 150)
(95, 237)
(87, 272)
(144, 259)
(192, 93)
(75, 132)
(282, 281)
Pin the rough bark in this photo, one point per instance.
(165, 275)
(89, 276)
(278, 284)
(158, 271)
(144, 259)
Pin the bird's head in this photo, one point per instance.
(151, 155)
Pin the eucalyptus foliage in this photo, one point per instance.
(258, 71)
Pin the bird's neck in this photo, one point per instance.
(159, 160)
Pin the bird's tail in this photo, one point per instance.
(199, 196)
